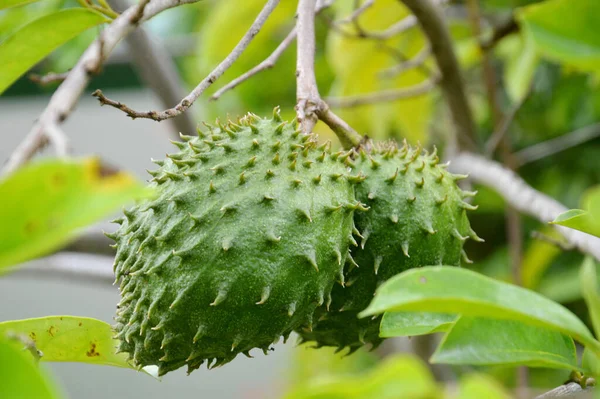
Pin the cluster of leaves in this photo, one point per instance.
(44, 205)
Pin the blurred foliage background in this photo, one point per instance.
(547, 70)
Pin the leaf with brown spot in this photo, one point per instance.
(70, 339)
(45, 202)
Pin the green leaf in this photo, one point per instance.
(586, 220)
(30, 44)
(477, 386)
(406, 324)
(565, 31)
(590, 363)
(44, 202)
(396, 377)
(461, 291)
(21, 377)
(481, 341)
(69, 339)
(14, 3)
(521, 64)
(589, 289)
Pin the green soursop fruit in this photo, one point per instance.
(249, 233)
(416, 217)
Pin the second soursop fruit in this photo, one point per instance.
(417, 217)
(249, 232)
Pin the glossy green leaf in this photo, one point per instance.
(484, 342)
(477, 386)
(44, 202)
(461, 291)
(586, 219)
(33, 42)
(406, 324)
(20, 377)
(565, 31)
(14, 3)
(396, 377)
(69, 339)
(589, 289)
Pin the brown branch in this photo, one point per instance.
(451, 83)
(502, 30)
(309, 105)
(45, 80)
(556, 145)
(417, 61)
(270, 61)
(66, 95)
(157, 70)
(384, 95)
(187, 102)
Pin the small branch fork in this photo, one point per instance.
(47, 128)
(310, 107)
(187, 102)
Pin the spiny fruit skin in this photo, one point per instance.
(249, 232)
(417, 217)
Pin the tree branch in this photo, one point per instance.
(65, 97)
(158, 71)
(522, 197)
(270, 61)
(187, 101)
(434, 27)
(308, 99)
(309, 105)
(556, 145)
(384, 95)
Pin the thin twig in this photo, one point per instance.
(451, 83)
(556, 145)
(187, 101)
(270, 61)
(569, 389)
(502, 129)
(522, 197)
(358, 11)
(415, 62)
(45, 80)
(65, 97)
(502, 30)
(158, 71)
(383, 96)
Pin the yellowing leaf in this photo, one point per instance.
(45, 202)
(69, 339)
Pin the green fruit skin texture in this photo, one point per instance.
(248, 234)
(417, 217)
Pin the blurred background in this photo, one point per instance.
(552, 98)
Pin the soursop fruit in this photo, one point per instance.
(416, 217)
(248, 234)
